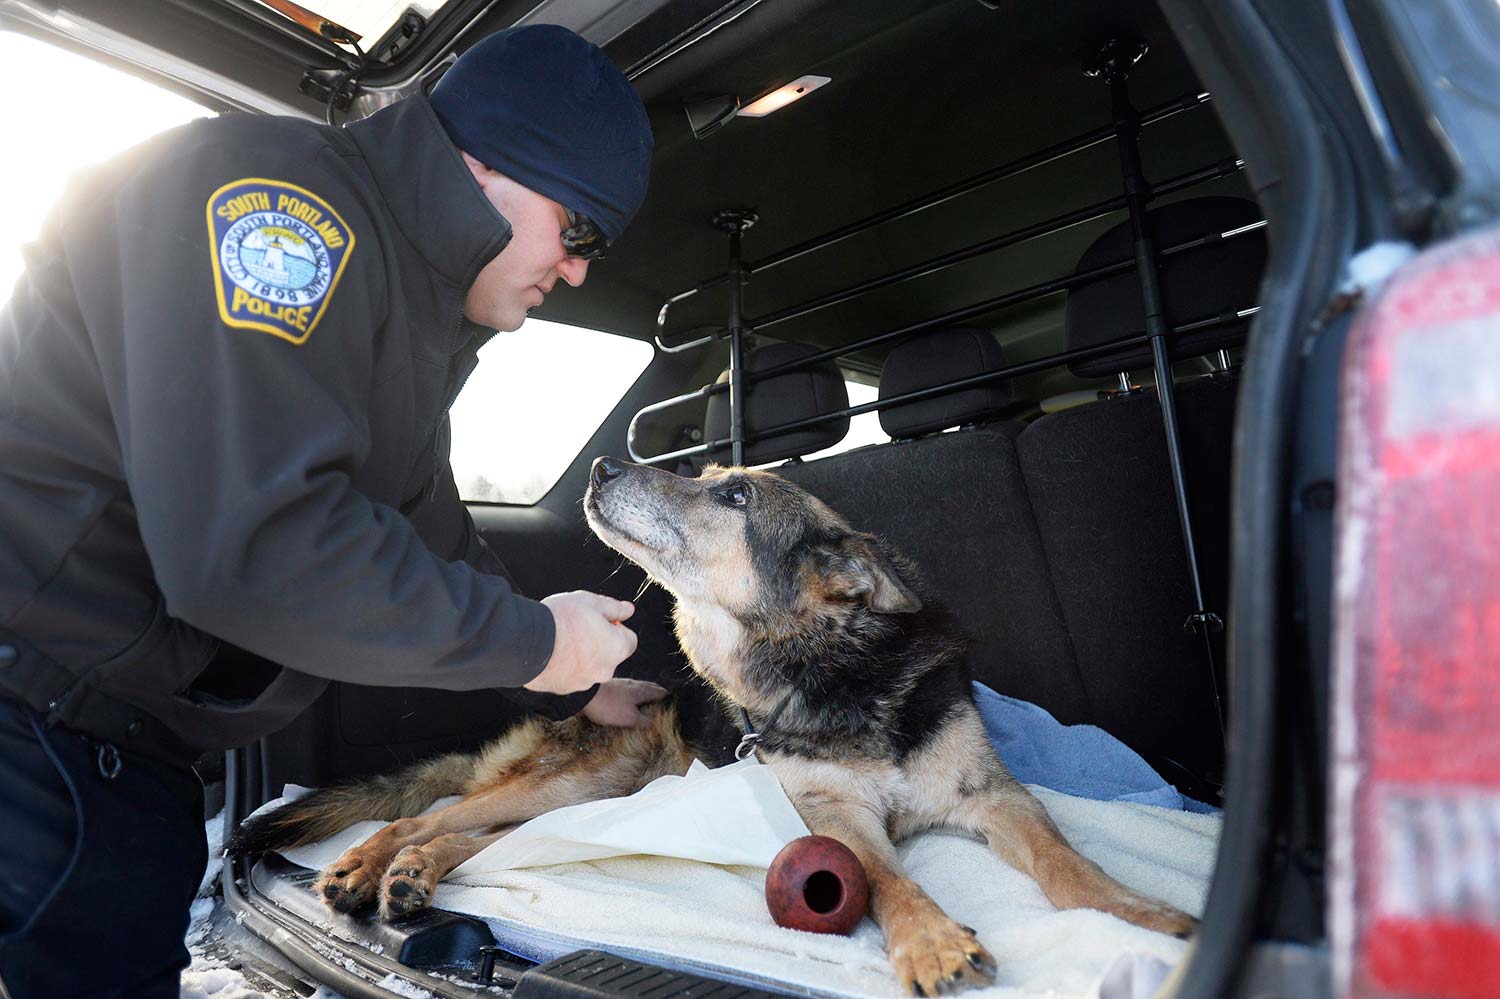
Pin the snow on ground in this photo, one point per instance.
(209, 976)
(404, 988)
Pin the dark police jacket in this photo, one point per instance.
(224, 379)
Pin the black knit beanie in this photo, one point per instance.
(550, 111)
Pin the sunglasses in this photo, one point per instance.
(582, 237)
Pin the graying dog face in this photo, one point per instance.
(738, 539)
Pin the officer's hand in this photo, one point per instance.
(619, 703)
(590, 641)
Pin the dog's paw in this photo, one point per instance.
(349, 883)
(1151, 914)
(408, 883)
(938, 956)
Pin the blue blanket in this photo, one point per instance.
(1081, 760)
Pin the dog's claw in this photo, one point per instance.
(939, 957)
(338, 899)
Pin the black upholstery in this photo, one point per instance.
(936, 358)
(1218, 278)
(1101, 487)
(794, 395)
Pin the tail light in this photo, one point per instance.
(1415, 879)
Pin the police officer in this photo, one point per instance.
(224, 380)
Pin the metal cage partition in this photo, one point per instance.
(1061, 149)
(1016, 297)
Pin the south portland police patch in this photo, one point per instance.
(278, 253)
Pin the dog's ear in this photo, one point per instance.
(854, 569)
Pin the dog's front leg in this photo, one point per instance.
(561, 765)
(930, 953)
(412, 878)
(1022, 834)
(353, 880)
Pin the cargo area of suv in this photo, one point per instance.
(1085, 462)
(948, 208)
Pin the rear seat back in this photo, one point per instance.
(956, 504)
(1100, 483)
(1101, 488)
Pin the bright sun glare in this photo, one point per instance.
(91, 113)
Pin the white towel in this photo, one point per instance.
(735, 815)
(712, 916)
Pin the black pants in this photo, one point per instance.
(97, 872)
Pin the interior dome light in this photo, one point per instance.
(782, 96)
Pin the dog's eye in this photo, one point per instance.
(737, 494)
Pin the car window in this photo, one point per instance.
(536, 398)
(78, 113)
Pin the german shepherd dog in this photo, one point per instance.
(854, 681)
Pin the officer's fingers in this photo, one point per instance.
(615, 645)
(615, 610)
(645, 692)
(629, 641)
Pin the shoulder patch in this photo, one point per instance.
(278, 252)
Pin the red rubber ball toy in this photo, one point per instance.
(817, 884)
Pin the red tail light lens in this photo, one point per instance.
(1415, 884)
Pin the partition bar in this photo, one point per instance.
(1040, 290)
(1114, 65)
(1010, 169)
(917, 395)
(1089, 213)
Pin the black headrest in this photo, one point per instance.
(1219, 277)
(792, 395)
(935, 358)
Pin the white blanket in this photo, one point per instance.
(712, 915)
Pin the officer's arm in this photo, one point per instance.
(445, 524)
(243, 419)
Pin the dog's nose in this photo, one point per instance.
(606, 469)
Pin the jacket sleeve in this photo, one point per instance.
(449, 529)
(239, 439)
